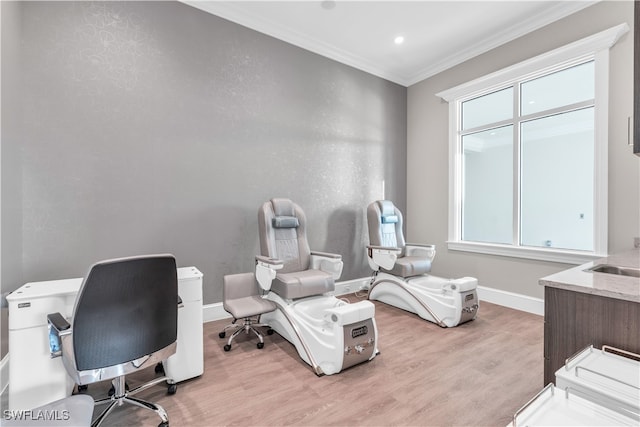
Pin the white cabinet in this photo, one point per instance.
(188, 361)
(36, 379)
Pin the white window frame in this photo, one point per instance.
(594, 47)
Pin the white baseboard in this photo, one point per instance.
(512, 300)
(213, 312)
(492, 295)
(4, 373)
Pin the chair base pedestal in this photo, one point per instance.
(445, 302)
(121, 396)
(248, 325)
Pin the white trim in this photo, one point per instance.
(511, 300)
(213, 312)
(4, 374)
(551, 14)
(557, 57)
(601, 154)
(492, 295)
(541, 254)
(596, 48)
(232, 12)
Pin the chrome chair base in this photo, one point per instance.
(248, 325)
(122, 396)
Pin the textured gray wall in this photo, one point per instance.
(155, 127)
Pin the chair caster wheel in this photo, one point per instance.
(260, 344)
(227, 347)
(166, 424)
(172, 388)
(82, 388)
(159, 368)
(269, 331)
(222, 334)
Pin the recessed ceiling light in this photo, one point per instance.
(398, 40)
(328, 4)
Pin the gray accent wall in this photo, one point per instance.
(146, 127)
(428, 145)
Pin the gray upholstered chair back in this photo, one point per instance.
(385, 225)
(126, 309)
(282, 229)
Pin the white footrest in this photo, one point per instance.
(465, 284)
(350, 313)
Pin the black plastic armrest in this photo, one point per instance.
(326, 254)
(420, 245)
(385, 248)
(58, 321)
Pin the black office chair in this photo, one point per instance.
(125, 319)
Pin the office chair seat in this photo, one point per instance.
(242, 299)
(248, 306)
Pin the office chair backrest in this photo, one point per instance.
(126, 308)
(282, 230)
(385, 225)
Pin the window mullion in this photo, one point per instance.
(516, 165)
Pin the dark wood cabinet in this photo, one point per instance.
(574, 320)
(636, 79)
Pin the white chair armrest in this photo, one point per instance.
(382, 256)
(425, 251)
(329, 263)
(266, 270)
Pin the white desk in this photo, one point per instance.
(36, 379)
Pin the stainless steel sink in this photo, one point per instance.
(614, 269)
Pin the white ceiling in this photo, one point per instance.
(438, 34)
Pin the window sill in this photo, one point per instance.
(540, 254)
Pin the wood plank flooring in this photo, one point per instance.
(477, 374)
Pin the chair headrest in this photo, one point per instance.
(285, 222)
(388, 212)
(389, 219)
(284, 211)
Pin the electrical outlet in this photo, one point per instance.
(636, 242)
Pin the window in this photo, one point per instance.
(528, 156)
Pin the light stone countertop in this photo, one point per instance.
(604, 284)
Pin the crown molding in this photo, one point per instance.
(232, 12)
(519, 29)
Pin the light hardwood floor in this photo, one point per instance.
(477, 374)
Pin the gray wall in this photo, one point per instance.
(427, 148)
(155, 127)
